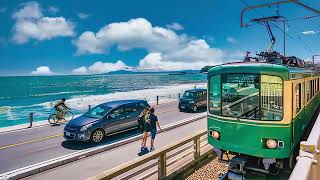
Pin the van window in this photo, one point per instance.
(117, 113)
(143, 104)
(129, 110)
(98, 112)
(205, 94)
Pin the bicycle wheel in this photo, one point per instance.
(68, 116)
(53, 118)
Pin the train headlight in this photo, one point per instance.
(271, 143)
(215, 134)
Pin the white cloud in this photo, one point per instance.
(83, 15)
(80, 70)
(53, 9)
(101, 67)
(310, 32)
(231, 40)
(31, 24)
(136, 33)
(42, 70)
(163, 44)
(29, 10)
(175, 26)
(194, 56)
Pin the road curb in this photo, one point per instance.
(55, 162)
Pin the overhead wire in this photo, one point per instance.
(306, 46)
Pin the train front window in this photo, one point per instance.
(240, 95)
(246, 96)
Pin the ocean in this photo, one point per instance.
(19, 96)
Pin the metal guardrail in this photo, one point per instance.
(145, 166)
(308, 164)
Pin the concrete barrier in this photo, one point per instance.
(52, 163)
(308, 161)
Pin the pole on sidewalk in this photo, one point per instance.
(89, 107)
(169, 96)
(157, 100)
(179, 95)
(30, 119)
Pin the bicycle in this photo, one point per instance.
(55, 118)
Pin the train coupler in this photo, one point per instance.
(236, 169)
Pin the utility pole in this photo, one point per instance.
(284, 37)
(313, 56)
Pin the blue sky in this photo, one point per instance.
(88, 37)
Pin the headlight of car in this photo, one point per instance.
(191, 102)
(85, 127)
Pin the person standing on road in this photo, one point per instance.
(143, 120)
(153, 127)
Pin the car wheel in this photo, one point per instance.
(181, 110)
(97, 136)
(195, 108)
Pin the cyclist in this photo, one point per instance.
(60, 107)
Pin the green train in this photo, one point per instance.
(258, 112)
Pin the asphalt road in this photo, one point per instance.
(29, 146)
(101, 162)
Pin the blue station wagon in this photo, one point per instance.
(104, 119)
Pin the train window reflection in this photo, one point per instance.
(240, 96)
(246, 96)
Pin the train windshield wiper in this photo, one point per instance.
(231, 112)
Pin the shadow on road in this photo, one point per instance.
(108, 140)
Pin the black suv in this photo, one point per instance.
(193, 100)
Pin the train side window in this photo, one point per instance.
(298, 97)
(314, 87)
(317, 85)
(308, 91)
(311, 94)
(215, 95)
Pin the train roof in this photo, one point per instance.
(285, 72)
